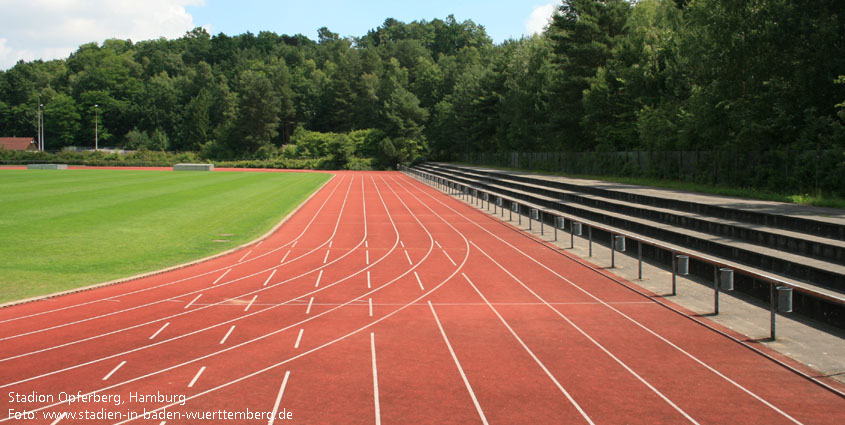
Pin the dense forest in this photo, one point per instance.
(607, 75)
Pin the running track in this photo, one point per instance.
(384, 301)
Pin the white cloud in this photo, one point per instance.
(540, 18)
(50, 29)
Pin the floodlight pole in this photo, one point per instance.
(96, 128)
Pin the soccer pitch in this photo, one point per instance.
(65, 229)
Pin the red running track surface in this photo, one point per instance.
(384, 301)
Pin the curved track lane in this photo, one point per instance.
(384, 301)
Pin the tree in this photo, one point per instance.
(63, 116)
(258, 113)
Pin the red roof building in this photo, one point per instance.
(18, 143)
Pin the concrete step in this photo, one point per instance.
(765, 236)
(813, 271)
(826, 223)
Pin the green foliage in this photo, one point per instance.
(607, 75)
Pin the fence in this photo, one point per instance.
(781, 171)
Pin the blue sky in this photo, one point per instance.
(502, 19)
(50, 29)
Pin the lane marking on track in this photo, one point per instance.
(225, 337)
(279, 398)
(402, 243)
(330, 243)
(271, 276)
(409, 258)
(245, 255)
(438, 244)
(259, 243)
(369, 285)
(371, 307)
(221, 276)
(537, 360)
(458, 364)
(298, 338)
(420, 282)
(286, 256)
(590, 338)
(197, 376)
(449, 258)
(308, 311)
(193, 301)
(294, 244)
(250, 303)
(319, 276)
(375, 378)
(159, 331)
(114, 370)
(366, 244)
(260, 371)
(59, 418)
(368, 256)
(326, 258)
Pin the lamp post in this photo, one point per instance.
(41, 125)
(96, 128)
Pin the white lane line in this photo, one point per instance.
(197, 376)
(225, 337)
(330, 243)
(402, 243)
(193, 301)
(294, 243)
(245, 255)
(319, 276)
(586, 335)
(259, 243)
(221, 276)
(59, 418)
(458, 364)
(368, 256)
(270, 277)
(279, 398)
(419, 281)
(371, 307)
(369, 285)
(450, 258)
(298, 338)
(159, 331)
(285, 257)
(162, 422)
(409, 258)
(537, 360)
(114, 370)
(308, 311)
(366, 244)
(250, 303)
(375, 378)
(438, 244)
(326, 258)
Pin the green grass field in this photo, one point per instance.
(65, 229)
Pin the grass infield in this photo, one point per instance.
(66, 229)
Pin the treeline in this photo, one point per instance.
(607, 75)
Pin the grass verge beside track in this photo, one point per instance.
(65, 229)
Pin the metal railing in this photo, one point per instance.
(780, 291)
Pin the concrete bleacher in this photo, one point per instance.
(802, 245)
